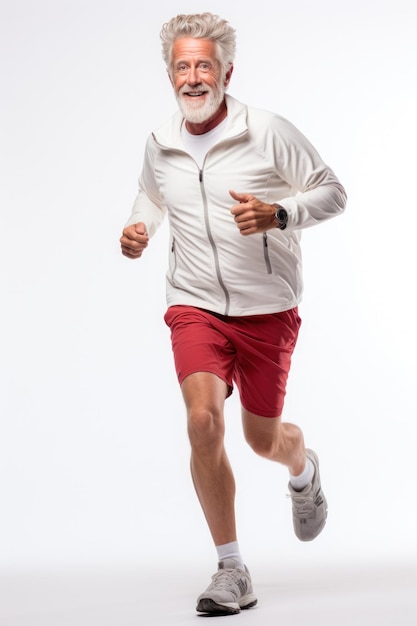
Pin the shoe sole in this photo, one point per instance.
(210, 607)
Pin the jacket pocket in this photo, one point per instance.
(173, 261)
(266, 254)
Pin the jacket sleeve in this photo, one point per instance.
(148, 206)
(316, 193)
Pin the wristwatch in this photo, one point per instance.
(281, 216)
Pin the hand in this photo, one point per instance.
(251, 215)
(134, 240)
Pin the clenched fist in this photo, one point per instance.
(134, 240)
(252, 215)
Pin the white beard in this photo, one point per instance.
(198, 112)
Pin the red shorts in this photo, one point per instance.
(253, 351)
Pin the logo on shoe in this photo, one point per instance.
(243, 586)
(318, 499)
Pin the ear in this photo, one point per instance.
(228, 76)
(170, 78)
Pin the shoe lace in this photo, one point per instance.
(303, 505)
(224, 578)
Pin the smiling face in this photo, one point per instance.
(199, 83)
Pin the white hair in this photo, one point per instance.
(200, 26)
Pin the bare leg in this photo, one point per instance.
(274, 440)
(204, 395)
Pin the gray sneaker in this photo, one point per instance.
(309, 506)
(229, 592)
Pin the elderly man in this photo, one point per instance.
(238, 185)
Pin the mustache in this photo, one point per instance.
(194, 90)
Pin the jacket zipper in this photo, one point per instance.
(213, 245)
(266, 254)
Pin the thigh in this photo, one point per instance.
(260, 430)
(203, 391)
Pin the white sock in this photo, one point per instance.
(230, 551)
(302, 480)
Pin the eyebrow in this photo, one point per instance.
(202, 60)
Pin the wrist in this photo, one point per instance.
(280, 216)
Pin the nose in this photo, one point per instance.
(193, 76)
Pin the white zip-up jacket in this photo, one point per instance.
(211, 265)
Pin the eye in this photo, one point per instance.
(204, 67)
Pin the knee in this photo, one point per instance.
(278, 444)
(263, 446)
(205, 427)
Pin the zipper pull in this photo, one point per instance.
(200, 176)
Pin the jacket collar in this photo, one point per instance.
(169, 134)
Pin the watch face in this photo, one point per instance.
(282, 216)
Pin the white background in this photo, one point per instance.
(93, 449)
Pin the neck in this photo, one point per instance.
(204, 127)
